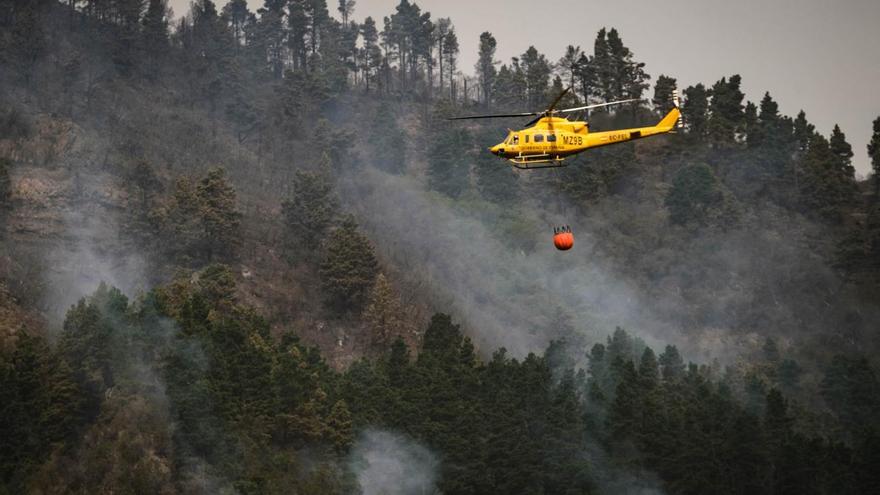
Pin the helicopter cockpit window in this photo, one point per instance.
(539, 138)
(551, 137)
(516, 139)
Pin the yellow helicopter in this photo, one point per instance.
(550, 137)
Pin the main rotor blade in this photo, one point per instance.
(496, 116)
(598, 105)
(553, 105)
(535, 120)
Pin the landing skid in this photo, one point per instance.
(537, 161)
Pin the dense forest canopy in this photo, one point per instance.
(243, 252)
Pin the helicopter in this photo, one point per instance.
(548, 139)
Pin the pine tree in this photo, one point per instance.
(87, 343)
(874, 154)
(398, 361)
(308, 213)
(803, 131)
(177, 221)
(485, 67)
(767, 132)
(604, 67)
(751, 126)
(40, 408)
(155, 34)
(238, 15)
(585, 73)
(696, 111)
(339, 423)
(496, 182)
(649, 374)
(441, 29)
(725, 111)
(372, 59)
(694, 193)
(346, 8)
(383, 314)
(450, 60)
(219, 213)
(387, 140)
(671, 363)
(568, 65)
(630, 79)
(536, 70)
(850, 388)
(843, 154)
(448, 169)
(823, 188)
(623, 415)
(348, 268)
(663, 89)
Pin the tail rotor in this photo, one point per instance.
(676, 102)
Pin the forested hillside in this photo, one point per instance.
(244, 252)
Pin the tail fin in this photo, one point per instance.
(671, 120)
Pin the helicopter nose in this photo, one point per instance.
(496, 150)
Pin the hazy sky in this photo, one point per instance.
(822, 56)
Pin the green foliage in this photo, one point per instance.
(200, 219)
(674, 423)
(696, 111)
(308, 213)
(827, 187)
(510, 86)
(536, 75)
(348, 267)
(694, 196)
(850, 388)
(495, 179)
(842, 152)
(874, 153)
(627, 77)
(663, 89)
(599, 174)
(725, 111)
(245, 405)
(671, 364)
(485, 67)
(388, 141)
(187, 390)
(40, 404)
(500, 427)
(448, 166)
(383, 314)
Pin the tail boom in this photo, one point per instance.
(667, 124)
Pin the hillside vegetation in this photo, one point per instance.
(245, 253)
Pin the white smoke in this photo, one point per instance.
(85, 258)
(386, 463)
(488, 284)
